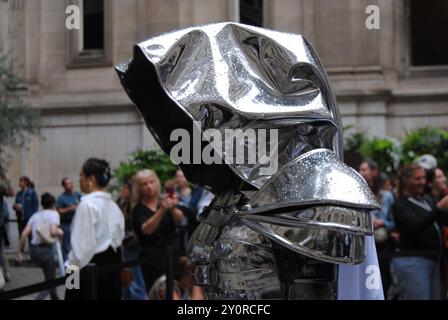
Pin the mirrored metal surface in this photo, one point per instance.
(319, 217)
(313, 178)
(265, 235)
(322, 244)
(230, 75)
(243, 265)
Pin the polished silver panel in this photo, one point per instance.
(256, 72)
(317, 177)
(321, 244)
(232, 261)
(319, 217)
(228, 76)
(243, 265)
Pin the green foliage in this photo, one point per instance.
(17, 119)
(385, 152)
(390, 154)
(143, 159)
(426, 141)
(353, 141)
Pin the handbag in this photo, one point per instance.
(43, 230)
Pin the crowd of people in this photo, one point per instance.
(145, 223)
(148, 220)
(409, 229)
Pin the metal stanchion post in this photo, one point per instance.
(91, 274)
(169, 273)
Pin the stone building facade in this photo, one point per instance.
(383, 84)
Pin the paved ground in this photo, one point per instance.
(24, 275)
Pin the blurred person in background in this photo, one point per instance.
(183, 286)
(436, 188)
(135, 288)
(154, 221)
(43, 227)
(388, 183)
(383, 223)
(418, 219)
(5, 191)
(4, 217)
(192, 201)
(370, 172)
(66, 206)
(26, 203)
(97, 233)
(436, 185)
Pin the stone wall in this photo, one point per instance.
(86, 112)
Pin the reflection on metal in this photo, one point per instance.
(323, 217)
(277, 235)
(233, 76)
(323, 244)
(315, 177)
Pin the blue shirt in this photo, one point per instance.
(29, 201)
(5, 209)
(66, 200)
(191, 202)
(385, 214)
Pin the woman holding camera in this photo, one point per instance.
(154, 220)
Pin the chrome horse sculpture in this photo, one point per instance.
(268, 233)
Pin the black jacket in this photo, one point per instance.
(162, 237)
(416, 226)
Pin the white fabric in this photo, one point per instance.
(48, 217)
(58, 252)
(361, 281)
(98, 223)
